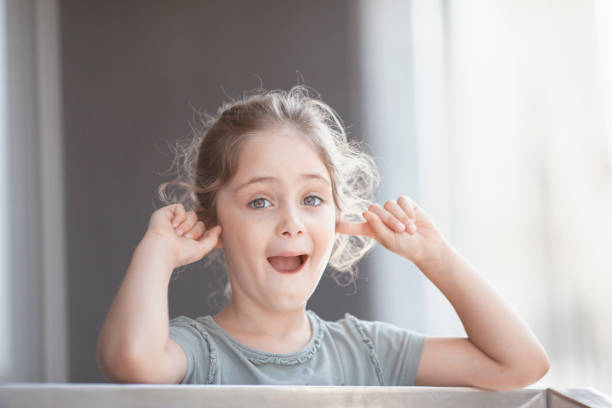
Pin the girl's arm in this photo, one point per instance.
(500, 352)
(134, 343)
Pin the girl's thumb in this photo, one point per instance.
(211, 238)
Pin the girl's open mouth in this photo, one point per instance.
(288, 264)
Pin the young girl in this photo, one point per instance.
(281, 192)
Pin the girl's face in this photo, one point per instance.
(277, 215)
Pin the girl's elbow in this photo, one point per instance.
(121, 367)
(537, 370)
(527, 375)
(532, 368)
(516, 376)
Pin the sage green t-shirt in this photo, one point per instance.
(346, 352)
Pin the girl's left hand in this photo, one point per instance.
(402, 227)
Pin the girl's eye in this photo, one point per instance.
(313, 198)
(258, 203)
(311, 201)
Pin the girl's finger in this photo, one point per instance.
(197, 231)
(388, 219)
(190, 220)
(178, 214)
(381, 231)
(354, 228)
(408, 206)
(394, 209)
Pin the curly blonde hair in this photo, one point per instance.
(208, 161)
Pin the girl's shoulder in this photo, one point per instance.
(392, 351)
(376, 335)
(373, 333)
(200, 323)
(197, 341)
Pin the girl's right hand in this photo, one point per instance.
(186, 236)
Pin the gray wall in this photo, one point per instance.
(26, 342)
(131, 72)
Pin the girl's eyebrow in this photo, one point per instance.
(263, 179)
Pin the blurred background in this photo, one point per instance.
(494, 115)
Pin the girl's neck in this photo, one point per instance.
(264, 330)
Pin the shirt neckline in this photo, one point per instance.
(264, 357)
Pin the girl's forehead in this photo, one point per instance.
(277, 151)
(278, 160)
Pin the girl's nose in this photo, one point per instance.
(290, 224)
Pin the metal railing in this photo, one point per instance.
(254, 396)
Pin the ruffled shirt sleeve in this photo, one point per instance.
(198, 347)
(395, 352)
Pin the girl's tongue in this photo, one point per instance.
(285, 263)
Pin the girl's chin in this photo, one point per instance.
(289, 308)
(286, 300)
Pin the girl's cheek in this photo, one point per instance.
(324, 222)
